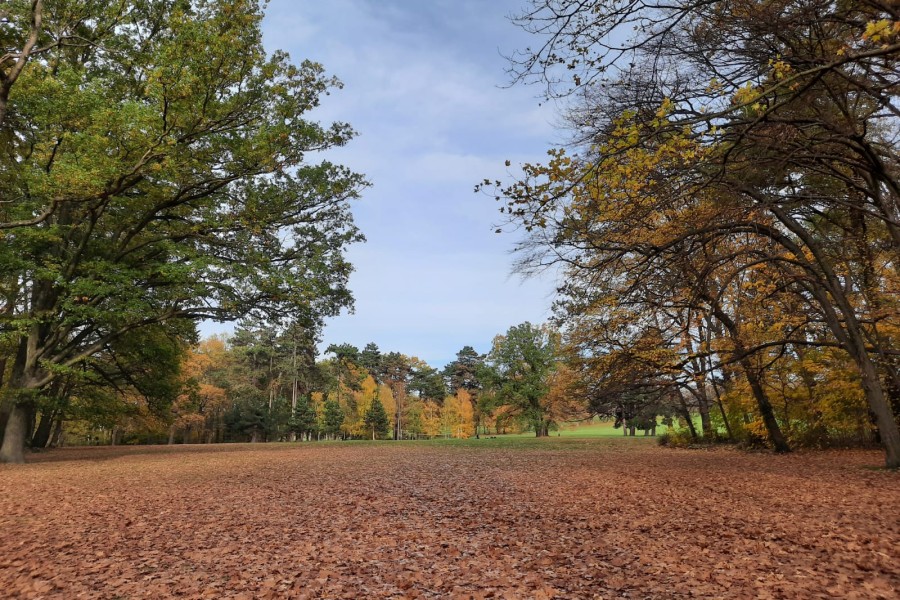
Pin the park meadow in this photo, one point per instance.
(559, 517)
(258, 338)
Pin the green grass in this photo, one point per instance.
(529, 442)
(590, 429)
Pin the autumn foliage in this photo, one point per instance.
(726, 217)
(470, 520)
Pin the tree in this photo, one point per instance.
(370, 360)
(376, 419)
(333, 419)
(162, 174)
(426, 381)
(344, 353)
(138, 377)
(462, 373)
(711, 122)
(521, 363)
(303, 421)
(457, 415)
(344, 367)
(248, 418)
(396, 371)
(19, 48)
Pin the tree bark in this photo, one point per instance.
(56, 441)
(686, 415)
(41, 436)
(13, 448)
(10, 76)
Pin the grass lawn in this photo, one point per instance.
(590, 429)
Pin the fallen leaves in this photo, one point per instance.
(576, 519)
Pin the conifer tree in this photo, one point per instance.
(333, 419)
(303, 420)
(376, 419)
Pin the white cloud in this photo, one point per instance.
(422, 86)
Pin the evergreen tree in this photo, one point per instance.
(376, 419)
(248, 419)
(427, 382)
(333, 418)
(370, 360)
(303, 420)
(462, 373)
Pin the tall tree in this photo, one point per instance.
(521, 362)
(161, 174)
(463, 374)
(396, 371)
(303, 420)
(712, 120)
(370, 360)
(426, 381)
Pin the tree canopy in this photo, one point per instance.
(732, 193)
(156, 168)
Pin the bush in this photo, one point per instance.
(676, 439)
(681, 438)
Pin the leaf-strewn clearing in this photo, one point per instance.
(557, 518)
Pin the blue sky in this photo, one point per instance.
(425, 87)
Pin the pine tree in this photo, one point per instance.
(377, 419)
(334, 418)
(303, 420)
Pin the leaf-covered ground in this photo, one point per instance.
(603, 518)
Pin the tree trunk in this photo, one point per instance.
(699, 372)
(703, 409)
(847, 330)
(686, 415)
(171, 435)
(13, 448)
(721, 406)
(15, 433)
(56, 440)
(776, 437)
(41, 436)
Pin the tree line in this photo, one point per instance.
(261, 385)
(726, 218)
